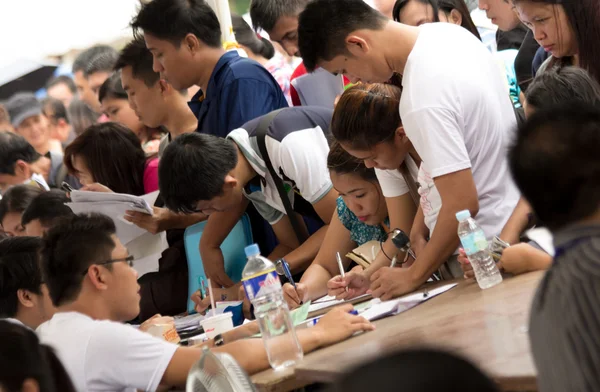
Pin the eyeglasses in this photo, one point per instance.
(128, 260)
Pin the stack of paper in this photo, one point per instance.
(114, 205)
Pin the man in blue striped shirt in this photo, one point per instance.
(555, 163)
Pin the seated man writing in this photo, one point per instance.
(24, 298)
(95, 289)
(203, 173)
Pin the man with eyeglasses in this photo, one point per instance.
(91, 282)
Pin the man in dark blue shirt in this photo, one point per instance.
(185, 40)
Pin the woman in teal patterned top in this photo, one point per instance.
(361, 217)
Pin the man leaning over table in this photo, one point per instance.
(460, 133)
(94, 287)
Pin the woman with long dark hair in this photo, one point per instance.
(27, 365)
(111, 155)
(568, 30)
(115, 104)
(366, 122)
(361, 216)
(417, 12)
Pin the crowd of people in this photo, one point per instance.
(427, 122)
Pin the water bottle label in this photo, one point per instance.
(260, 285)
(474, 242)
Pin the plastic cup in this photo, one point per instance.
(215, 325)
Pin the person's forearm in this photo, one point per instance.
(440, 247)
(300, 258)
(538, 260)
(279, 252)
(419, 229)
(382, 260)
(214, 256)
(315, 278)
(251, 355)
(517, 223)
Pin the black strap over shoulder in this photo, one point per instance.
(261, 135)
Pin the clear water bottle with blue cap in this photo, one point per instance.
(263, 289)
(475, 245)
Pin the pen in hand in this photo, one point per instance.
(288, 275)
(283, 268)
(341, 266)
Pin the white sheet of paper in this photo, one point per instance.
(114, 205)
(380, 309)
(147, 250)
(328, 301)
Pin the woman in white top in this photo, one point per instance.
(367, 124)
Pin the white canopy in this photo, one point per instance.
(34, 29)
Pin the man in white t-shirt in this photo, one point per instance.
(454, 110)
(91, 281)
(24, 297)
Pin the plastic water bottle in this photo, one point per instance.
(263, 289)
(476, 247)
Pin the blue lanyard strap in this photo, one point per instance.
(570, 245)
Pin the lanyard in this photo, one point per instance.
(570, 245)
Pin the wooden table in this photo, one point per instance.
(487, 326)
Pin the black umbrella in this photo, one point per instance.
(24, 75)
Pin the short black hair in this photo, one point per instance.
(193, 168)
(54, 109)
(562, 85)
(14, 147)
(62, 79)
(112, 88)
(48, 208)
(19, 270)
(555, 163)
(83, 60)
(103, 62)
(419, 369)
(266, 13)
(172, 20)
(137, 56)
(324, 25)
(22, 357)
(70, 248)
(18, 198)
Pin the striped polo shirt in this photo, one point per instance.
(565, 315)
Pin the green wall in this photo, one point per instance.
(239, 7)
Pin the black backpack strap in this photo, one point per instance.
(261, 136)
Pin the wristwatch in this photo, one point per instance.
(218, 340)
